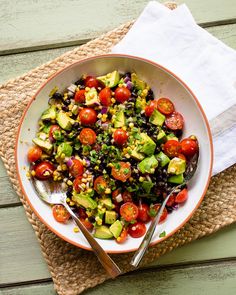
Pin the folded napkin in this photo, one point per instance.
(173, 39)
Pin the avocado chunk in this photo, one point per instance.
(49, 114)
(116, 228)
(163, 158)
(177, 179)
(64, 148)
(147, 186)
(139, 84)
(161, 137)
(107, 203)
(91, 97)
(110, 217)
(84, 200)
(176, 166)
(136, 155)
(148, 165)
(157, 118)
(147, 145)
(103, 232)
(119, 119)
(44, 144)
(64, 121)
(171, 136)
(111, 79)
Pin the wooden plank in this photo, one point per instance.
(213, 279)
(28, 263)
(48, 24)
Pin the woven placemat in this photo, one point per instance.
(74, 270)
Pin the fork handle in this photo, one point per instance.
(106, 261)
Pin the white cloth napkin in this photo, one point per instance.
(173, 39)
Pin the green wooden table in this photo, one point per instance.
(33, 32)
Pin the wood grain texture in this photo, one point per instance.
(45, 24)
(215, 279)
(21, 258)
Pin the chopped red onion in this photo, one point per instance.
(104, 110)
(69, 163)
(126, 79)
(119, 198)
(105, 126)
(87, 163)
(129, 85)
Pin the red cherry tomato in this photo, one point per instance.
(100, 184)
(44, 170)
(120, 137)
(105, 96)
(88, 116)
(181, 156)
(153, 212)
(87, 136)
(121, 171)
(171, 200)
(123, 236)
(149, 109)
(82, 213)
(172, 148)
(182, 196)
(52, 132)
(143, 210)
(127, 197)
(165, 106)
(77, 168)
(80, 96)
(60, 213)
(34, 154)
(122, 94)
(116, 193)
(137, 230)
(77, 182)
(129, 211)
(175, 121)
(189, 147)
(87, 223)
(91, 81)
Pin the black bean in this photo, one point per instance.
(66, 102)
(80, 82)
(76, 125)
(150, 95)
(57, 95)
(68, 194)
(178, 133)
(91, 219)
(128, 74)
(133, 94)
(65, 108)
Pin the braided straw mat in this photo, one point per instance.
(73, 270)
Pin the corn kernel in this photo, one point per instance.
(69, 182)
(131, 179)
(96, 167)
(76, 229)
(89, 190)
(63, 156)
(127, 156)
(84, 180)
(99, 116)
(152, 170)
(110, 165)
(144, 92)
(33, 173)
(107, 191)
(83, 185)
(141, 179)
(87, 89)
(131, 125)
(124, 128)
(67, 200)
(64, 167)
(113, 100)
(72, 203)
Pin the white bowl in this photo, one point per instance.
(164, 83)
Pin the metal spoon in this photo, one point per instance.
(52, 193)
(190, 170)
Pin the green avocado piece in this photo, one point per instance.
(171, 136)
(164, 159)
(91, 97)
(116, 228)
(176, 166)
(64, 121)
(119, 119)
(64, 148)
(139, 84)
(147, 186)
(147, 145)
(44, 144)
(148, 165)
(50, 113)
(84, 200)
(110, 217)
(110, 79)
(107, 203)
(157, 118)
(161, 137)
(103, 232)
(177, 179)
(136, 155)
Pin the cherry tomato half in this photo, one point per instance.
(80, 96)
(153, 212)
(100, 184)
(171, 200)
(77, 182)
(105, 96)
(44, 170)
(82, 213)
(189, 147)
(122, 94)
(182, 196)
(120, 137)
(91, 81)
(149, 109)
(52, 132)
(87, 136)
(172, 148)
(165, 106)
(129, 211)
(123, 236)
(77, 168)
(127, 197)
(88, 116)
(143, 210)
(181, 156)
(121, 171)
(60, 213)
(34, 154)
(87, 223)
(175, 121)
(137, 230)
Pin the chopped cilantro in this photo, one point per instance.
(162, 235)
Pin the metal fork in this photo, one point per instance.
(51, 192)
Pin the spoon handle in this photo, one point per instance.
(102, 256)
(148, 236)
